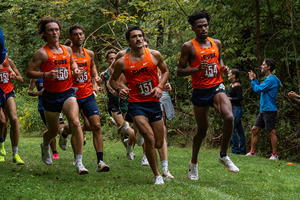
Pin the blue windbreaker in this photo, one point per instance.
(2, 48)
(268, 92)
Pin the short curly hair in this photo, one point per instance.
(109, 52)
(42, 25)
(199, 15)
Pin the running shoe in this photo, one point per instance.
(102, 167)
(46, 157)
(274, 157)
(250, 154)
(84, 139)
(111, 122)
(81, 169)
(159, 180)
(2, 158)
(55, 156)
(139, 139)
(145, 161)
(18, 160)
(74, 161)
(166, 173)
(193, 171)
(2, 149)
(129, 149)
(63, 142)
(121, 131)
(228, 164)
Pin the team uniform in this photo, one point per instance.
(83, 86)
(57, 91)
(206, 84)
(141, 79)
(6, 86)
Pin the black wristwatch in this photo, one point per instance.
(118, 90)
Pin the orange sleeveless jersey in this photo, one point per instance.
(141, 78)
(60, 62)
(212, 76)
(5, 83)
(83, 83)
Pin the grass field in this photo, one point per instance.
(258, 178)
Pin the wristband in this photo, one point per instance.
(159, 87)
(44, 75)
(118, 90)
(298, 97)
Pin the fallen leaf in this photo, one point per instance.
(289, 163)
(52, 181)
(260, 172)
(269, 174)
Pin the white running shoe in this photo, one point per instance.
(139, 139)
(166, 173)
(228, 164)
(63, 142)
(111, 122)
(102, 167)
(145, 161)
(129, 153)
(121, 131)
(159, 180)
(46, 156)
(193, 171)
(250, 154)
(81, 169)
(274, 157)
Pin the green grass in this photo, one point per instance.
(258, 178)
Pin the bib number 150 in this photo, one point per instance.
(63, 73)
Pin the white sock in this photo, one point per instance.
(78, 158)
(15, 150)
(126, 127)
(164, 165)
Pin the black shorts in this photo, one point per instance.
(10, 94)
(205, 97)
(151, 110)
(61, 120)
(53, 102)
(88, 105)
(266, 119)
(119, 106)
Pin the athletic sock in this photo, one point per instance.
(99, 156)
(221, 155)
(78, 159)
(15, 150)
(126, 127)
(54, 152)
(64, 136)
(252, 152)
(275, 154)
(2, 139)
(164, 165)
(194, 162)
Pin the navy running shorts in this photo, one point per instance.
(119, 106)
(2, 98)
(151, 110)
(88, 105)
(205, 97)
(10, 94)
(266, 119)
(53, 102)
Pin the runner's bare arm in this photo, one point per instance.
(122, 81)
(32, 84)
(14, 68)
(96, 79)
(224, 68)
(119, 68)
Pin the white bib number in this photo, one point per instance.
(211, 71)
(84, 78)
(63, 73)
(144, 88)
(4, 77)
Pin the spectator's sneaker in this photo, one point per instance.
(84, 139)
(63, 142)
(129, 153)
(193, 171)
(102, 167)
(111, 122)
(121, 131)
(139, 139)
(250, 154)
(46, 157)
(2, 149)
(145, 161)
(2, 159)
(81, 169)
(55, 156)
(17, 160)
(74, 161)
(228, 164)
(166, 173)
(274, 157)
(159, 180)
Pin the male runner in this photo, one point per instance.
(268, 109)
(140, 69)
(38, 83)
(10, 110)
(204, 56)
(85, 93)
(56, 63)
(117, 107)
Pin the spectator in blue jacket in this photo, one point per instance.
(268, 110)
(2, 48)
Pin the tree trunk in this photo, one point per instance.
(257, 38)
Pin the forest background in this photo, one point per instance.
(249, 30)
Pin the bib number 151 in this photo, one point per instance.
(144, 88)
